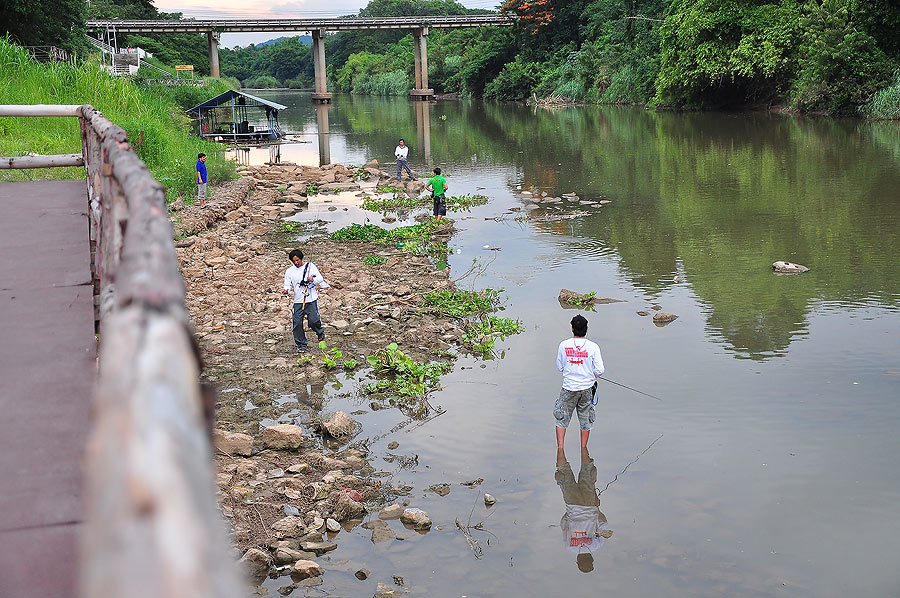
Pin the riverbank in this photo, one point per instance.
(287, 488)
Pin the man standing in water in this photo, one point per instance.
(303, 279)
(438, 187)
(201, 179)
(401, 151)
(581, 364)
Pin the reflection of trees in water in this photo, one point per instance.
(723, 195)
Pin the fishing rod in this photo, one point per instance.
(646, 394)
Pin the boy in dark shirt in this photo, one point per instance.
(201, 179)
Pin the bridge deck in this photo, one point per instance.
(47, 370)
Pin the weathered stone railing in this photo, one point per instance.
(152, 527)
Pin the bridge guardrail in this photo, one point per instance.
(152, 527)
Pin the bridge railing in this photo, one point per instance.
(152, 528)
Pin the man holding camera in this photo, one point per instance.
(303, 278)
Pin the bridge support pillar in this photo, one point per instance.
(213, 37)
(420, 48)
(321, 95)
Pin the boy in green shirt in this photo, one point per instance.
(438, 187)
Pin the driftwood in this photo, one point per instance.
(152, 527)
(570, 299)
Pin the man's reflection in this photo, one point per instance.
(583, 525)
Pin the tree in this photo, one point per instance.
(47, 23)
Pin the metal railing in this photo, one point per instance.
(49, 53)
(149, 475)
(330, 24)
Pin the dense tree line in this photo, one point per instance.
(834, 56)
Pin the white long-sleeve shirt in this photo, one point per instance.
(580, 362)
(401, 152)
(294, 279)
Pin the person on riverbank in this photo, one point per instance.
(581, 364)
(201, 179)
(582, 524)
(402, 151)
(438, 187)
(303, 278)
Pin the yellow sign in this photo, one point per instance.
(184, 67)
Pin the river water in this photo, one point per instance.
(775, 466)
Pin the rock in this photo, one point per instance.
(788, 268)
(472, 483)
(643, 313)
(362, 574)
(415, 187)
(569, 298)
(216, 261)
(276, 473)
(392, 445)
(662, 318)
(319, 548)
(283, 436)
(341, 324)
(287, 590)
(256, 563)
(306, 569)
(233, 443)
(332, 525)
(373, 163)
(347, 508)
(291, 510)
(385, 591)
(285, 556)
(417, 518)
(298, 468)
(489, 500)
(339, 425)
(289, 527)
(381, 532)
(440, 489)
(391, 512)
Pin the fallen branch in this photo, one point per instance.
(473, 543)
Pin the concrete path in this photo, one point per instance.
(47, 370)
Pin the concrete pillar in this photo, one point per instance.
(321, 95)
(323, 134)
(213, 38)
(420, 50)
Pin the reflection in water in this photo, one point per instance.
(324, 134)
(274, 154)
(583, 525)
(423, 130)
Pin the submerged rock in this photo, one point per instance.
(391, 512)
(788, 268)
(489, 500)
(256, 563)
(339, 425)
(662, 318)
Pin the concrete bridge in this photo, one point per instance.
(213, 28)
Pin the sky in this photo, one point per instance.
(273, 9)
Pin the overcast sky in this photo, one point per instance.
(290, 9)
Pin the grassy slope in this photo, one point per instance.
(156, 124)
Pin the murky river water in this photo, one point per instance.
(775, 472)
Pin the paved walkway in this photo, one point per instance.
(47, 369)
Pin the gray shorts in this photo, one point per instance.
(569, 401)
(201, 191)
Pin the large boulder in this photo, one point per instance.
(233, 443)
(415, 187)
(283, 436)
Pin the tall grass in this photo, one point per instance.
(157, 126)
(885, 103)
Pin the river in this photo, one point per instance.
(775, 466)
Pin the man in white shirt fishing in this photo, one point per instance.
(303, 280)
(401, 151)
(581, 364)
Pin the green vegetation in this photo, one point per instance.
(483, 333)
(462, 304)
(374, 260)
(153, 117)
(405, 377)
(390, 189)
(312, 189)
(51, 23)
(418, 238)
(885, 103)
(584, 301)
(810, 55)
(455, 203)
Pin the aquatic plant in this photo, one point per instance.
(374, 260)
(404, 376)
(461, 304)
(484, 333)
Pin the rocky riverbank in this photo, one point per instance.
(287, 490)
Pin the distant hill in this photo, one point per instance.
(306, 40)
